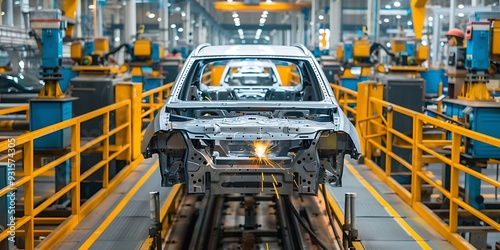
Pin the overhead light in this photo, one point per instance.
(261, 24)
(177, 9)
(17, 2)
(461, 14)
(180, 29)
(267, 38)
(243, 41)
(441, 16)
(269, 1)
(183, 13)
(398, 16)
(386, 20)
(424, 42)
(159, 19)
(91, 6)
(430, 19)
(430, 24)
(460, 6)
(176, 38)
(38, 8)
(255, 41)
(263, 15)
(321, 17)
(237, 24)
(229, 1)
(397, 4)
(262, 20)
(388, 6)
(388, 45)
(151, 15)
(173, 26)
(117, 39)
(3, 13)
(237, 19)
(409, 23)
(124, 3)
(240, 31)
(265, 12)
(379, 22)
(235, 15)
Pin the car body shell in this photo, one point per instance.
(208, 145)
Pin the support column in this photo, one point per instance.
(130, 20)
(117, 33)
(47, 4)
(452, 14)
(9, 13)
(1, 17)
(301, 28)
(187, 24)
(436, 34)
(293, 27)
(370, 12)
(99, 24)
(78, 20)
(200, 39)
(335, 25)
(164, 25)
(312, 26)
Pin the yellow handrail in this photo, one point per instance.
(379, 126)
(110, 152)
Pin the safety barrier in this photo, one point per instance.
(155, 101)
(375, 127)
(110, 151)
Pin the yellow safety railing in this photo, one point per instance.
(16, 109)
(26, 225)
(346, 98)
(377, 133)
(155, 101)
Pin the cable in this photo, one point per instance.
(330, 217)
(302, 223)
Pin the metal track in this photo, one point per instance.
(248, 222)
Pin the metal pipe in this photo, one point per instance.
(154, 215)
(452, 14)
(350, 219)
(13, 125)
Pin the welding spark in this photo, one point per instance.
(276, 191)
(261, 149)
(275, 181)
(262, 183)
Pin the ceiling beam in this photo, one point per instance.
(262, 6)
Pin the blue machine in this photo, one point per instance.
(433, 77)
(478, 46)
(348, 51)
(410, 48)
(52, 106)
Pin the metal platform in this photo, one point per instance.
(384, 221)
(122, 220)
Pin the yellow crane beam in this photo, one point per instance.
(69, 8)
(225, 6)
(418, 16)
